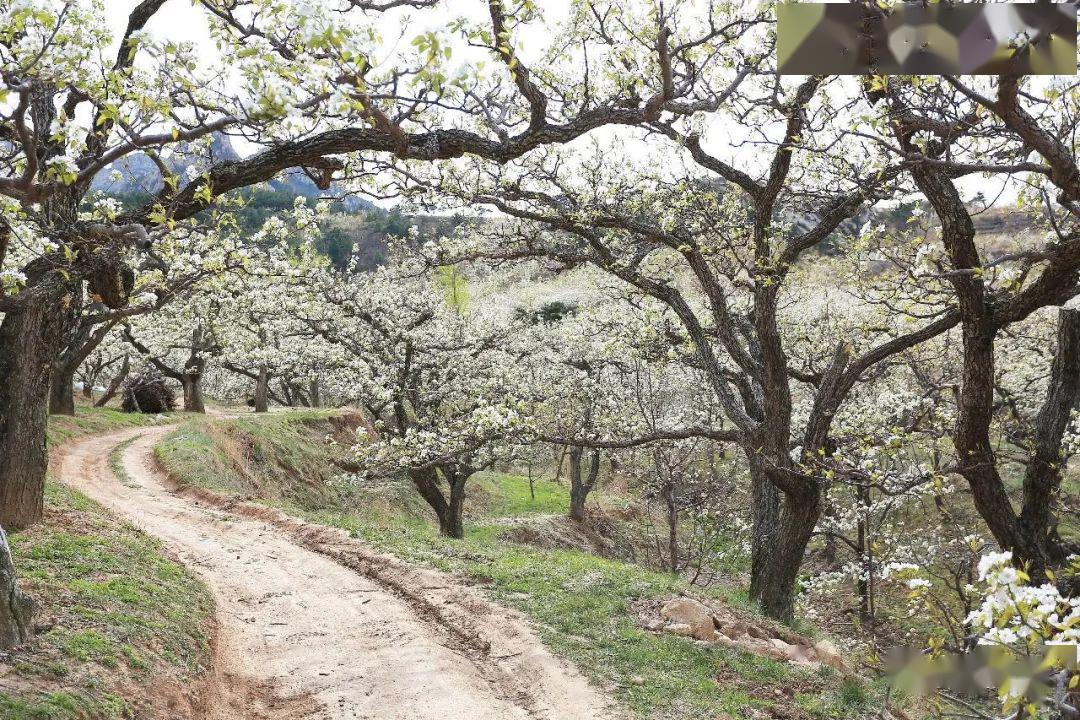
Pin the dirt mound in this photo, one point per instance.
(599, 535)
(557, 532)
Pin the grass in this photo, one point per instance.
(582, 605)
(510, 497)
(120, 621)
(89, 420)
(122, 614)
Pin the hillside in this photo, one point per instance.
(600, 612)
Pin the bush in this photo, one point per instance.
(148, 393)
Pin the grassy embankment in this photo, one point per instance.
(124, 628)
(582, 604)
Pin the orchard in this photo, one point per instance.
(820, 330)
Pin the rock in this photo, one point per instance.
(788, 649)
(827, 653)
(775, 649)
(805, 656)
(756, 632)
(730, 627)
(654, 625)
(690, 612)
(795, 654)
(690, 618)
(637, 680)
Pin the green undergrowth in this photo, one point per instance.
(120, 625)
(122, 622)
(584, 606)
(89, 420)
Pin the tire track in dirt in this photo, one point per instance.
(314, 624)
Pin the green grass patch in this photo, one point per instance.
(509, 495)
(91, 420)
(190, 452)
(63, 706)
(582, 606)
(116, 461)
(121, 613)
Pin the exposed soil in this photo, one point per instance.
(314, 624)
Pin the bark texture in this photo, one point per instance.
(16, 607)
(191, 375)
(780, 571)
(115, 383)
(86, 337)
(1042, 479)
(449, 505)
(1028, 535)
(29, 340)
(262, 390)
(582, 483)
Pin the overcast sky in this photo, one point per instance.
(180, 20)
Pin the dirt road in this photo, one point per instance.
(315, 625)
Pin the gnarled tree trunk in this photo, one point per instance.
(115, 383)
(262, 390)
(780, 571)
(1042, 479)
(1027, 534)
(191, 380)
(86, 337)
(16, 607)
(449, 507)
(29, 341)
(581, 484)
(765, 523)
(62, 392)
(452, 525)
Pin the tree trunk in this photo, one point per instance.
(448, 511)
(1042, 479)
(765, 509)
(62, 392)
(580, 486)
(16, 608)
(193, 399)
(866, 555)
(975, 401)
(262, 390)
(115, 383)
(85, 337)
(776, 588)
(286, 393)
(313, 391)
(578, 496)
(559, 457)
(299, 394)
(29, 341)
(452, 525)
(673, 526)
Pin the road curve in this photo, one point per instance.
(302, 635)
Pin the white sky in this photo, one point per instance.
(182, 20)
(177, 20)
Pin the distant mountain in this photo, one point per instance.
(138, 175)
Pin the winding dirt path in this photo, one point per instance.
(313, 624)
